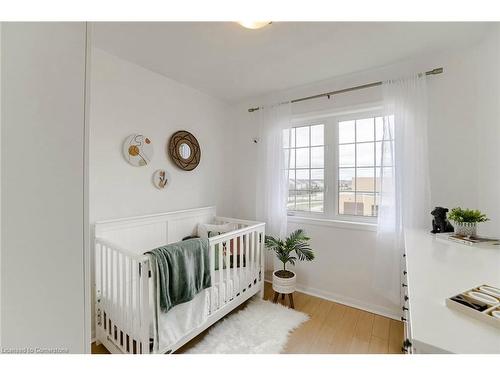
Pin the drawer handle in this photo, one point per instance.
(406, 343)
(404, 285)
(405, 308)
(403, 319)
(405, 273)
(406, 298)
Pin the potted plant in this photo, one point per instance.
(466, 221)
(293, 248)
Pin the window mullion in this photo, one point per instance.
(295, 165)
(355, 167)
(332, 179)
(374, 167)
(309, 170)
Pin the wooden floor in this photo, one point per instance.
(333, 328)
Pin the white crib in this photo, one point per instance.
(126, 309)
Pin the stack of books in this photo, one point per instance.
(471, 241)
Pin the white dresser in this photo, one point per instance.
(433, 270)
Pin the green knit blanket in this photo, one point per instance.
(183, 270)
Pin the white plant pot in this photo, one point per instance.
(465, 229)
(284, 285)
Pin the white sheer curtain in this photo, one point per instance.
(405, 189)
(272, 178)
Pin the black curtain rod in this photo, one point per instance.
(331, 93)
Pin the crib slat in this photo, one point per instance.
(104, 268)
(236, 251)
(97, 268)
(115, 285)
(252, 257)
(116, 270)
(212, 276)
(221, 275)
(243, 241)
(228, 268)
(130, 314)
(144, 307)
(254, 254)
(98, 285)
(137, 301)
(247, 257)
(262, 261)
(122, 291)
(108, 280)
(132, 297)
(102, 275)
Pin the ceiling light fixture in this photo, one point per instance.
(254, 24)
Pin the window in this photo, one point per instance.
(305, 148)
(334, 166)
(359, 161)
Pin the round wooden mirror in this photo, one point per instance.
(184, 150)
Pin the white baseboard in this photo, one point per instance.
(351, 302)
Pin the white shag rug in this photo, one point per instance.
(261, 328)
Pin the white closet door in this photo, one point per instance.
(42, 186)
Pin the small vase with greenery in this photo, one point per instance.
(466, 221)
(294, 248)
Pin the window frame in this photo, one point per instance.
(310, 124)
(331, 120)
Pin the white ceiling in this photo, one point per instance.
(229, 62)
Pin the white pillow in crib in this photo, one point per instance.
(204, 230)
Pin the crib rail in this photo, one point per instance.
(240, 252)
(122, 298)
(123, 309)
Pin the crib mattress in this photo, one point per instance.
(185, 317)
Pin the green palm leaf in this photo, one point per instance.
(296, 242)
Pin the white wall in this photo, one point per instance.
(487, 69)
(1, 59)
(460, 99)
(126, 98)
(42, 186)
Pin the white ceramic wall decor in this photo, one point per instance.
(138, 150)
(160, 179)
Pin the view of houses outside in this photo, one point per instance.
(306, 175)
(359, 146)
(363, 202)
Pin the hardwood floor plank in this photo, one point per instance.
(362, 333)
(321, 343)
(101, 349)
(396, 334)
(300, 341)
(381, 327)
(378, 346)
(343, 336)
(316, 329)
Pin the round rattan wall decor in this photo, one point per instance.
(184, 150)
